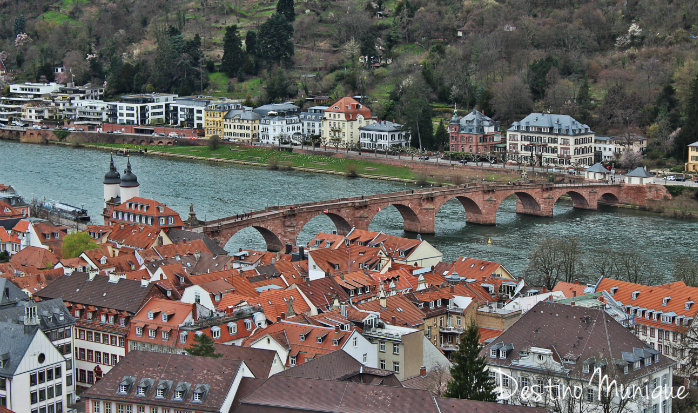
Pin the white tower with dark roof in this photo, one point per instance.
(112, 180)
(129, 187)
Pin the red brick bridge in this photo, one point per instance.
(280, 225)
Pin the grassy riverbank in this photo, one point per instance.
(274, 159)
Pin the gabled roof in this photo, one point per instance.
(566, 124)
(35, 256)
(597, 168)
(178, 369)
(350, 108)
(570, 289)
(124, 295)
(398, 306)
(259, 361)
(322, 292)
(10, 293)
(51, 314)
(275, 302)
(14, 343)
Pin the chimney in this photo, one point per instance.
(394, 320)
(453, 288)
(30, 316)
(283, 316)
(336, 328)
(574, 293)
(301, 253)
(278, 318)
(422, 371)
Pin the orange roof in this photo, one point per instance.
(8, 237)
(35, 256)
(302, 339)
(474, 268)
(8, 211)
(276, 302)
(47, 231)
(174, 250)
(404, 311)
(570, 289)
(141, 274)
(350, 108)
(177, 313)
(488, 333)
(325, 240)
(150, 208)
(675, 298)
(137, 236)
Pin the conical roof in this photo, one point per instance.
(112, 176)
(129, 179)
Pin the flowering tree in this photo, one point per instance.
(22, 39)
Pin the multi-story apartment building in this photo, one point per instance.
(664, 316)
(399, 349)
(609, 148)
(102, 307)
(189, 111)
(144, 109)
(384, 135)
(549, 139)
(340, 126)
(275, 128)
(473, 133)
(568, 347)
(214, 114)
(312, 121)
(51, 317)
(95, 111)
(32, 371)
(241, 125)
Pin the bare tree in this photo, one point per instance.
(555, 260)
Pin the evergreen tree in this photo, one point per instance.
(441, 137)
(469, 379)
(232, 51)
(584, 102)
(537, 73)
(251, 43)
(689, 129)
(202, 346)
(287, 8)
(275, 39)
(20, 22)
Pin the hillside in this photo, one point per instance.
(621, 66)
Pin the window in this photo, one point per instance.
(525, 381)
(33, 397)
(232, 329)
(197, 396)
(382, 364)
(493, 353)
(139, 331)
(216, 332)
(396, 348)
(381, 346)
(152, 332)
(107, 407)
(123, 388)
(95, 406)
(32, 379)
(428, 332)
(365, 357)
(141, 391)
(396, 366)
(589, 395)
(292, 361)
(165, 335)
(354, 342)
(179, 394)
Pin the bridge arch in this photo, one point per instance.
(473, 212)
(410, 218)
(526, 202)
(578, 199)
(271, 239)
(609, 198)
(341, 225)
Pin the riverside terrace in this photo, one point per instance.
(280, 225)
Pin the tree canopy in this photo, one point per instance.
(232, 51)
(469, 377)
(202, 346)
(275, 39)
(76, 243)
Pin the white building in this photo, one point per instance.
(639, 176)
(604, 149)
(312, 121)
(189, 111)
(549, 140)
(556, 356)
(144, 109)
(32, 370)
(384, 135)
(95, 111)
(275, 128)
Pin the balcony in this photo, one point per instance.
(451, 330)
(449, 347)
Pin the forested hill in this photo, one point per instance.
(620, 66)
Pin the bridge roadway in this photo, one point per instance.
(280, 225)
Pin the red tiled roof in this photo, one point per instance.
(570, 289)
(137, 236)
(350, 108)
(177, 312)
(275, 302)
(35, 256)
(488, 333)
(404, 311)
(21, 226)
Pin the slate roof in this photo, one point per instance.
(574, 333)
(14, 342)
(242, 114)
(125, 295)
(286, 107)
(694, 144)
(474, 122)
(566, 124)
(339, 365)
(382, 126)
(598, 168)
(293, 394)
(218, 374)
(639, 172)
(10, 293)
(52, 314)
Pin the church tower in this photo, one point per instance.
(112, 180)
(129, 184)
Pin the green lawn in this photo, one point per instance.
(266, 156)
(55, 17)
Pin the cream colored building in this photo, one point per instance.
(241, 125)
(692, 164)
(341, 123)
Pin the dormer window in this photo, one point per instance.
(335, 342)
(626, 369)
(656, 358)
(665, 300)
(636, 366)
(319, 340)
(152, 332)
(614, 290)
(150, 315)
(635, 294)
(164, 317)
(585, 368)
(179, 394)
(648, 361)
(302, 337)
(688, 305)
(141, 390)
(503, 355)
(493, 353)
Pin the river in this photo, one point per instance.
(74, 176)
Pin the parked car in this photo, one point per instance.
(670, 178)
(36, 127)
(44, 127)
(679, 178)
(424, 158)
(72, 129)
(173, 135)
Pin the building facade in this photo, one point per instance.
(384, 135)
(312, 121)
(550, 140)
(692, 163)
(241, 125)
(213, 117)
(340, 126)
(473, 133)
(275, 129)
(144, 109)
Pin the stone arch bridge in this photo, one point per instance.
(280, 225)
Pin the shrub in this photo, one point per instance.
(351, 170)
(273, 163)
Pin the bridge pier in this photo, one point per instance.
(543, 209)
(481, 219)
(423, 226)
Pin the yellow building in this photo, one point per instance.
(213, 117)
(241, 125)
(692, 164)
(341, 123)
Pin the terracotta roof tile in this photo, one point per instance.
(398, 306)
